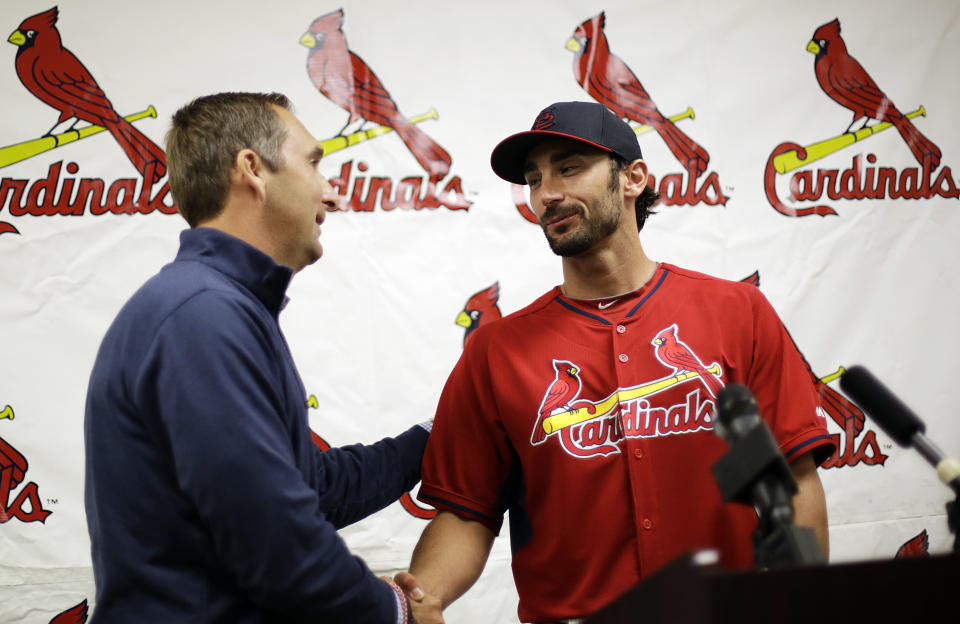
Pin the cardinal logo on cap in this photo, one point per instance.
(544, 120)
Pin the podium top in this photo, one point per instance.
(896, 590)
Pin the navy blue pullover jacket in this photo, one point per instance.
(206, 499)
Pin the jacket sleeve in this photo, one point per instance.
(212, 383)
(358, 480)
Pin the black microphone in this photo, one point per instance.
(754, 472)
(737, 412)
(760, 475)
(897, 420)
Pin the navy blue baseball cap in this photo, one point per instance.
(588, 122)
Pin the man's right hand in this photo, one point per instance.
(426, 609)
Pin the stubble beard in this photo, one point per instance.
(604, 221)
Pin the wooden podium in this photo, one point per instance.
(904, 591)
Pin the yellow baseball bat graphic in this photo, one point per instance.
(789, 161)
(687, 114)
(833, 376)
(604, 407)
(21, 151)
(7, 413)
(337, 143)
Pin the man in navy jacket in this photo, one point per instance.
(206, 499)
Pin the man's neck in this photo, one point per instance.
(606, 272)
(243, 220)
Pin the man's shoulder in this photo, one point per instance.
(182, 289)
(525, 315)
(695, 280)
(695, 276)
(177, 282)
(507, 330)
(535, 307)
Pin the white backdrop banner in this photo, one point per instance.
(767, 168)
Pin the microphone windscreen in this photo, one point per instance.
(733, 401)
(895, 418)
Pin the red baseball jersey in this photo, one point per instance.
(591, 423)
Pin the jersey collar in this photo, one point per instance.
(609, 309)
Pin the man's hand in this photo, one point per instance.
(426, 609)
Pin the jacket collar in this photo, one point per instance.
(239, 261)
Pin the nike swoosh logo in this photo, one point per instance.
(604, 306)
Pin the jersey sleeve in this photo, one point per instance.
(468, 458)
(780, 381)
(214, 381)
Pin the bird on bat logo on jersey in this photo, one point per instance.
(586, 428)
(347, 81)
(53, 74)
(844, 80)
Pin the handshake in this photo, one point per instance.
(419, 606)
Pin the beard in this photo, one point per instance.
(604, 221)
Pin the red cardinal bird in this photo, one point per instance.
(847, 83)
(74, 615)
(674, 353)
(53, 74)
(343, 77)
(481, 309)
(563, 390)
(917, 546)
(753, 278)
(11, 459)
(609, 81)
(838, 407)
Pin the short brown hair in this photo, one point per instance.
(204, 140)
(648, 197)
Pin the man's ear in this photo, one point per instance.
(248, 173)
(637, 178)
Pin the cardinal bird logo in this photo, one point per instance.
(848, 84)
(680, 357)
(481, 309)
(560, 395)
(917, 546)
(54, 75)
(74, 615)
(611, 82)
(346, 80)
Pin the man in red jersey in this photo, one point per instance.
(588, 414)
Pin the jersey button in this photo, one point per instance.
(647, 524)
(638, 453)
(621, 329)
(623, 357)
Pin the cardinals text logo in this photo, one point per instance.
(855, 444)
(13, 469)
(844, 80)
(52, 73)
(587, 428)
(346, 80)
